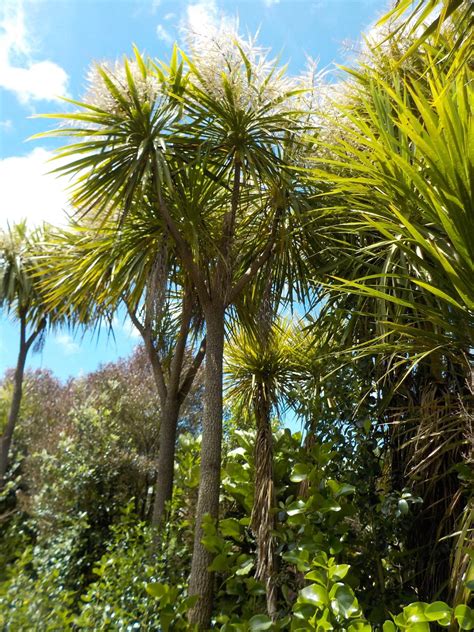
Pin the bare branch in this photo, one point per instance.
(228, 224)
(177, 361)
(158, 374)
(250, 273)
(191, 373)
(184, 251)
(29, 341)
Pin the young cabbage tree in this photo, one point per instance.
(259, 368)
(22, 301)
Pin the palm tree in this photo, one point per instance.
(101, 273)
(204, 150)
(402, 285)
(21, 299)
(259, 370)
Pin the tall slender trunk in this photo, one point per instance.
(201, 579)
(165, 464)
(7, 436)
(262, 519)
(171, 394)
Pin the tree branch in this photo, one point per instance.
(145, 333)
(29, 341)
(184, 250)
(191, 372)
(228, 224)
(177, 360)
(256, 264)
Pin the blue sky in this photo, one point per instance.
(46, 48)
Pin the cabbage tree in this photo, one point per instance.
(199, 143)
(22, 301)
(260, 369)
(131, 270)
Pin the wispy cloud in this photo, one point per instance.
(67, 344)
(203, 20)
(29, 192)
(29, 79)
(197, 20)
(6, 125)
(126, 327)
(201, 17)
(163, 34)
(130, 330)
(270, 3)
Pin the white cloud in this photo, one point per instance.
(130, 330)
(20, 73)
(198, 20)
(126, 327)
(29, 192)
(6, 125)
(67, 344)
(203, 20)
(201, 17)
(270, 3)
(164, 35)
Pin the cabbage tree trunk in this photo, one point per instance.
(201, 579)
(262, 518)
(165, 461)
(14, 412)
(172, 391)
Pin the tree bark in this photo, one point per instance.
(165, 463)
(201, 579)
(262, 519)
(172, 394)
(14, 412)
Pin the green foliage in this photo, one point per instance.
(318, 588)
(305, 526)
(18, 292)
(130, 593)
(328, 603)
(41, 586)
(382, 456)
(52, 581)
(20, 282)
(85, 472)
(90, 444)
(395, 171)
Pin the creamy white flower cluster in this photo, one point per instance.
(100, 95)
(226, 59)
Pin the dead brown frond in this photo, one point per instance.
(432, 436)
